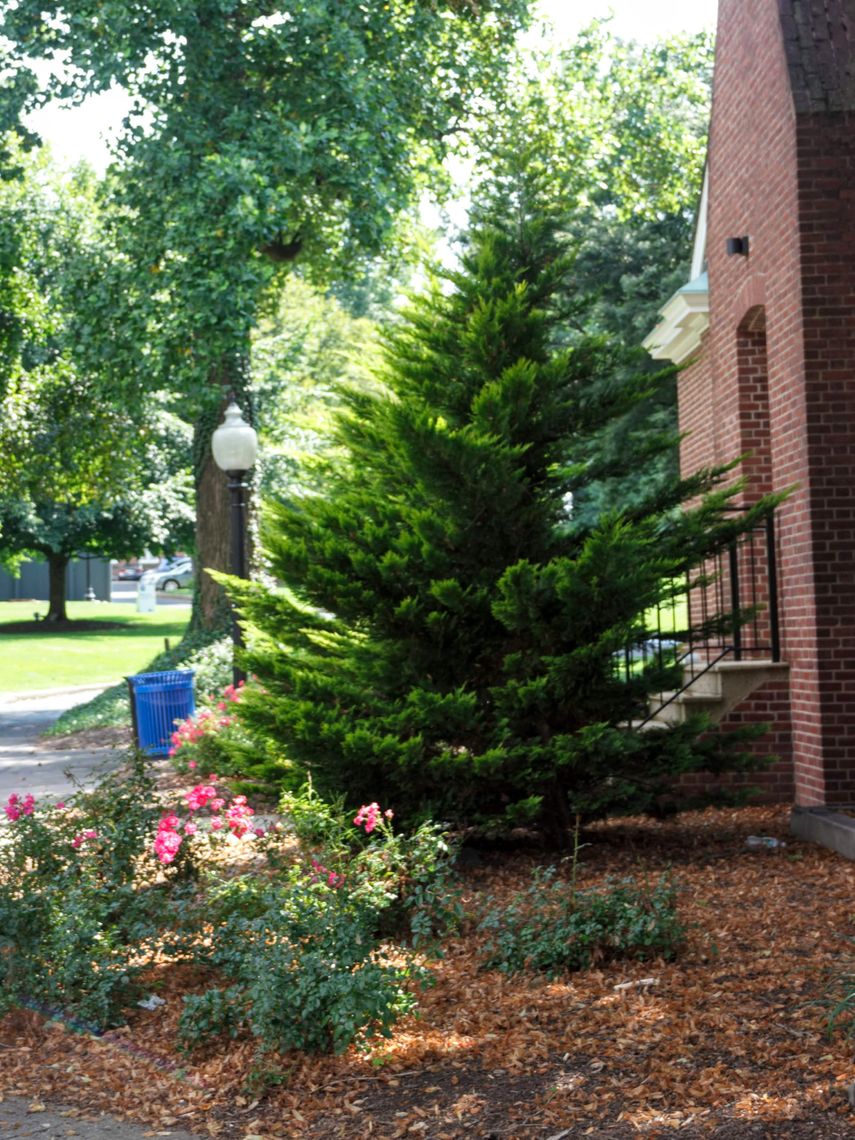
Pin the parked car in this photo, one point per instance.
(130, 574)
(176, 575)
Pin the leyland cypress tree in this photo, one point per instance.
(446, 640)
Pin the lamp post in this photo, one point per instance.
(235, 448)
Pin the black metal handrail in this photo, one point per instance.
(730, 609)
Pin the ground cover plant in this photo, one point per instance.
(48, 658)
(93, 892)
(725, 1040)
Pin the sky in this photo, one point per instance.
(84, 132)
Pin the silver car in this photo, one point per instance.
(174, 577)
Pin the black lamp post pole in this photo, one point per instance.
(240, 569)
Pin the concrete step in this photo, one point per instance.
(716, 691)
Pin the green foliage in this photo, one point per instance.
(447, 633)
(553, 927)
(408, 878)
(74, 921)
(303, 354)
(85, 909)
(839, 1001)
(256, 141)
(78, 474)
(213, 739)
(624, 126)
(305, 953)
(307, 973)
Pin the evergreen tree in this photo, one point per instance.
(447, 639)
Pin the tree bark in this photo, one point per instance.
(211, 608)
(213, 539)
(57, 564)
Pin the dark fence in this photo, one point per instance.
(727, 608)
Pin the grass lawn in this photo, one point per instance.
(52, 659)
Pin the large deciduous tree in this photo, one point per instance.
(76, 474)
(259, 137)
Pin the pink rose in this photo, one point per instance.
(166, 845)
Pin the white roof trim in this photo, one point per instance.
(699, 250)
(685, 319)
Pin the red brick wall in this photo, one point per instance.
(787, 180)
(769, 705)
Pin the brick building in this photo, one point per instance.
(767, 326)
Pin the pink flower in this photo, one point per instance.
(191, 763)
(166, 845)
(367, 817)
(259, 832)
(169, 822)
(199, 796)
(27, 805)
(60, 806)
(14, 808)
(79, 840)
(190, 828)
(216, 804)
(216, 823)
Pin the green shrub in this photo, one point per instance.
(93, 892)
(214, 740)
(75, 918)
(839, 1000)
(305, 968)
(407, 877)
(552, 927)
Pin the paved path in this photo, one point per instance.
(25, 765)
(23, 1117)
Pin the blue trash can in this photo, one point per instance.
(158, 700)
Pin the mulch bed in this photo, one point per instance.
(728, 1041)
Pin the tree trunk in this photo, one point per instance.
(211, 609)
(57, 564)
(213, 538)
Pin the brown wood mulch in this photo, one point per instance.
(728, 1041)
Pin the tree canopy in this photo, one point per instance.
(258, 138)
(77, 474)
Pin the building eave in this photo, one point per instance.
(685, 319)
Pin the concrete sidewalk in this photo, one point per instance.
(24, 1117)
(26, 765)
